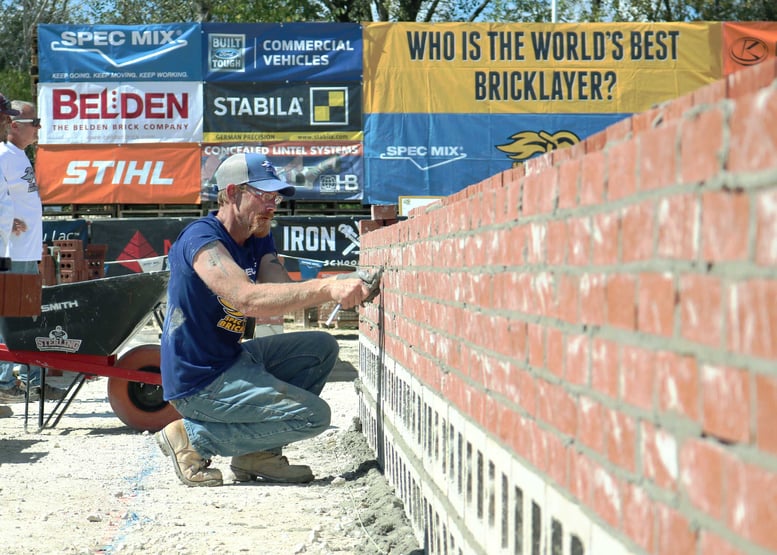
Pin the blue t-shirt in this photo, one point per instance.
(202, 332)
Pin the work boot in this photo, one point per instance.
(14, 394)
(52, 393)
(191, 468)
(269, 467)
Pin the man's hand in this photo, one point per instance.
(18, 227)
(348, 292)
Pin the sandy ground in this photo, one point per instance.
(93, 485)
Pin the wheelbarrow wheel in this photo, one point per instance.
(140, 405)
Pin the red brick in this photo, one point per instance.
(620, 433)
(725, 219)
(590, 418)
(675, 532)
(621, 301)
(592, 179)
(703, 474)
(639, 516)
(700, 145)
(677, 219)
(557, 459)
(579, 249)
(383, 211)
(568, 178)
(556, 240)
(658, 155)
(701, 316)
(622, 170)
(595, 143)
(637, 232)
(678, 384)
(567, 298)
(655, 304)
(604, 249)
(555, 346)
(750, 503)
(659, 456)
(753, 135)
(752, 318)
(766, 228)
(536, 244)
(726, 403)
(606, 496)
(604, 367)
(365, 226)
(539, 192)
(20, 294)
(536, 346)
(592, 298)
(638, 377)
(581, 472)
(557, 408)
(766, 413)
(577, 356)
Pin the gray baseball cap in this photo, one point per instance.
(252, 169)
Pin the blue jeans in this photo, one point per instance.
(267, 399)
(7, 378)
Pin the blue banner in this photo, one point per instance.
(282, 53)
(440, 154)
(79, 53)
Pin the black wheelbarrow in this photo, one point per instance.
(81, 328)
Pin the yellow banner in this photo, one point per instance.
(504, 68)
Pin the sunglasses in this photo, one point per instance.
(264, 196)
(34, 121)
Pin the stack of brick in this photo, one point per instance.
(95, 261)
(72, 264)
(76, 262)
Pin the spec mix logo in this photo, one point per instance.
(226, 52)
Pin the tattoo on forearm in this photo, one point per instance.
(214, 259)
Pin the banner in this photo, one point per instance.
(508, 68)
(78, 53)
(283, 53)
(332, 241)
(330, 170)
(440, 154)
(252, 112)
(63, 230)
(747, 44)
(119, 174)
(110, 113)
(135, 243)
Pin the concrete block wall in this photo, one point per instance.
(579, 355)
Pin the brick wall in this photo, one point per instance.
(579, 355)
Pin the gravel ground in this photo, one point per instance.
(93, 485)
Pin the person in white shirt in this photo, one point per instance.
(26, 241)
(6, 210)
